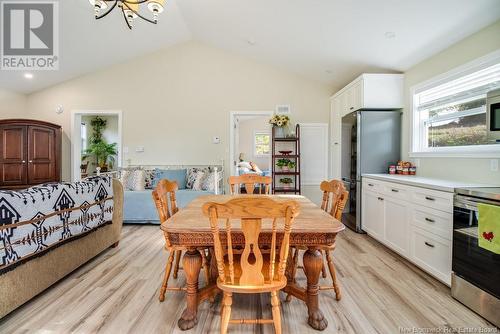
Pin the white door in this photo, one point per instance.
(396, 225)
(373, 214)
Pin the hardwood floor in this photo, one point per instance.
(117, 292)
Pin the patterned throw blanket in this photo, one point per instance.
(38, 219)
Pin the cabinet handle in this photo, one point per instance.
(428, 244)
(430, 198)
(380, 199)
(351, 108)
(335, 143)
(31, 161)
(370, 184)
(394, 190)
(430, 220)
(24, 161)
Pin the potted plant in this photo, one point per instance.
(280, 122)
(291, 164)
(103, 153)
(283, 164)
(286, 181)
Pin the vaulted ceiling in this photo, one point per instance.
(327, 40)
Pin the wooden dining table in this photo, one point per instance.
(311, 229)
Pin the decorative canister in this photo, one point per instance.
(413, 170)
(392, 169)
(406, 171)
(399, 169)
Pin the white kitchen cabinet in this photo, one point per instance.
(420, 229)
(396, 226)
(368, 91)
(373, 214)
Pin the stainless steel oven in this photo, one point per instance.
(476, 271)
(493, 116)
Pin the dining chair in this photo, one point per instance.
(252, 270)
(166, 205)
(334, 200)
(250, 181)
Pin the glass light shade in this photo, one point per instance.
(100, 3)
(129, 9)
(156, 6)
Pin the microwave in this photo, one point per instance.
(493, 116)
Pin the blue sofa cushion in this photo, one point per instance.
(179, 175)
(138, 206)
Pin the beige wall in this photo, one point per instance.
(175, 100)
(466, 169)
(12, 105)
(246, 140)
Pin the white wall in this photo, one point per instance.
(247, 128)
(175, 100)
(465, 169)
(12, 105)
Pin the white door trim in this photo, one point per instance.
(76, 116)
(232, 116)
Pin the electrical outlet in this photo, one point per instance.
(139, 149)
(216, 140)
(494, 165)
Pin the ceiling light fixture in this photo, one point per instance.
(28, 75)
(129, 8)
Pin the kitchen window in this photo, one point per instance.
(262, 144)
(449, 112)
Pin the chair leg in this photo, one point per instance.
(178, 255)
(323, 268)
(275, 302)
(205, 264)
(295, 264)
(227, 300)
(331, 267)
(168, 268)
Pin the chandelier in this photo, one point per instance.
(129, 8)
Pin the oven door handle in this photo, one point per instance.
(470, 203)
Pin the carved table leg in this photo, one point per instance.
(192, 266)
(313, 263)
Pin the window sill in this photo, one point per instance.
(479, 152)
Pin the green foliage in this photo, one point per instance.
(103, 153)
(284, 162)
(286, 180)
(461, 136)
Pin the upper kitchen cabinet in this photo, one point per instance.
(371, 91)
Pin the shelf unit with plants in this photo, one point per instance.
(286, 162)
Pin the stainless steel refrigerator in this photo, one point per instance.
(371, 141)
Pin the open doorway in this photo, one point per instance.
(250, 145)
(96, 142)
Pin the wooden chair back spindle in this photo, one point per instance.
(251, 211)
(334, 197)
(249, 181)
(165, 201)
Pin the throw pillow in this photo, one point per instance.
(245, 164)
(192, 175)
(197, 184)
(148, 181)
(178, 175)
(137, 180)
(209, 181)
(124, 176)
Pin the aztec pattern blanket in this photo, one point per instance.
(35, 220)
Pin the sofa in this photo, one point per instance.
(138, 206)
(48, 231)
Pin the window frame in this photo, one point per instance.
(261, 132)
(417, 145)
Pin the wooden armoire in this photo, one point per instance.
(30, 153)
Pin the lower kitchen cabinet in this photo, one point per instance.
(391, 215)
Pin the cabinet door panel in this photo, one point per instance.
(373, 214)
(12, 155)
(396, 225)
(41, 155)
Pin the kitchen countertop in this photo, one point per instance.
(426, 182)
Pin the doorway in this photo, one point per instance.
(250, 142)
(89, 127)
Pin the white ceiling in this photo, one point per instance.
(329, 40)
